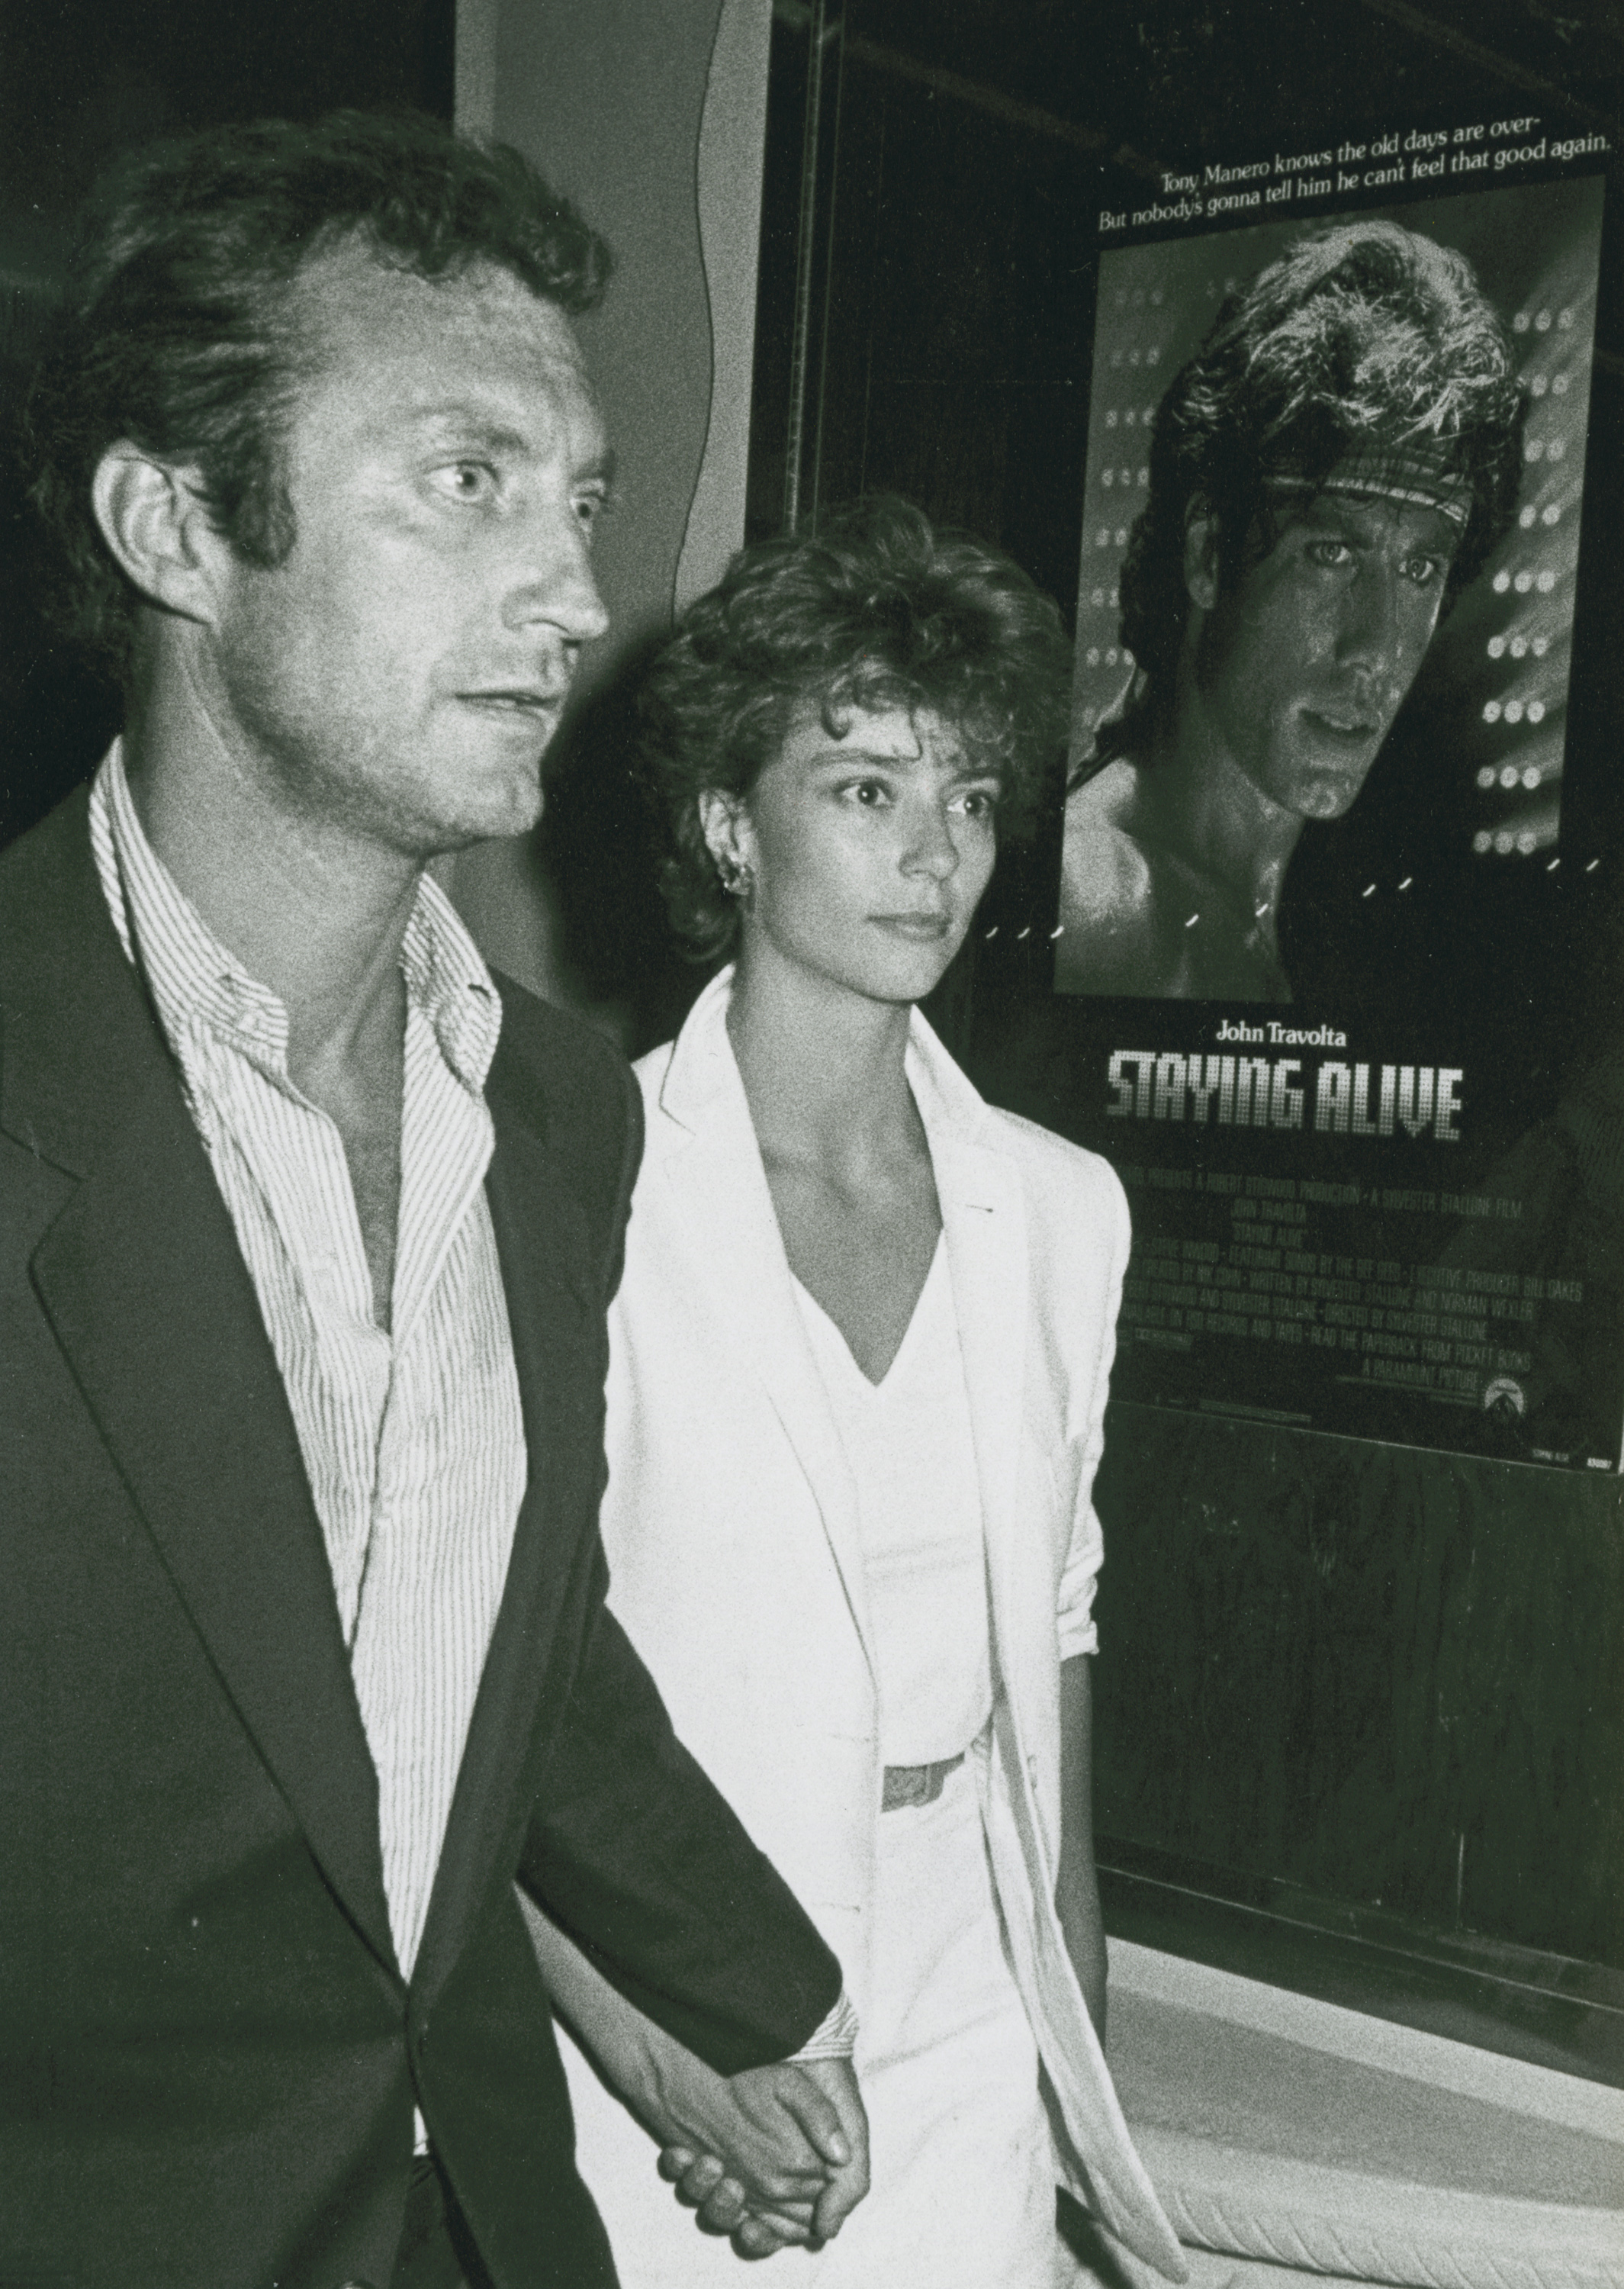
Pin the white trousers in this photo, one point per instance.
(963, 2182)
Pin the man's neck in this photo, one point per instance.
(311, 911)
(1194, 799)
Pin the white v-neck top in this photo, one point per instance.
(909, 1445)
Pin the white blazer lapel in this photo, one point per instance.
(984, 1217)
(723, 1205)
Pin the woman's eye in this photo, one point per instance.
(979, 802)
(871, 793)
(1330, 553)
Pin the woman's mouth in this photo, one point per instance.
(928, 929)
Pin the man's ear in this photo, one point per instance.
(1201, 581)
(154, 519)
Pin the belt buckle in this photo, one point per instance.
(906, 1787)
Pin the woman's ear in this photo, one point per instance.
(156, 524)
(725, 825)
(1201, 580)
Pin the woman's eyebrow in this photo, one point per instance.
(838, 752)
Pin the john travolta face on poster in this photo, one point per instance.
(1333, 468)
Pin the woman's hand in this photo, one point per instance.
(828, 2109)
(773, 2134)
(704, 2185)
(787, 2143)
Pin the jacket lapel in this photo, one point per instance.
(559, 1353)
(985, 1220)
(150, 1301)
(707, 1155)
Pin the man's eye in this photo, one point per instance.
(1424, 571)
(1330, 553)
(589, 507)
(467, 481)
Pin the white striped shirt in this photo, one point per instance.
(413, 1441)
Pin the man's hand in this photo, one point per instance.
(772, 2155)
(705, 2186)
(771, 2135)
(823, 2103)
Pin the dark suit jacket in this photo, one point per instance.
(208, 2056)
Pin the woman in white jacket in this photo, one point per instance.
(858, 1373)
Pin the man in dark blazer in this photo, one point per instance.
(324, 465)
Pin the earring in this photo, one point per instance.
(736, 880)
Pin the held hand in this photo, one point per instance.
(771, 2130)
(820, 2096)
(754, 2154)
(704, 2185)
(847, 2181)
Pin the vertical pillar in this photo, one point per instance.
(650, 115)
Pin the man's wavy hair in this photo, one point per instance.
(180, 331)
(1362, 336)
(877, 610)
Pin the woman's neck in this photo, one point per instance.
(823, 1068)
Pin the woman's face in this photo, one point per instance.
(870, 851)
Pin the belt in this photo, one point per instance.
(916, 1784)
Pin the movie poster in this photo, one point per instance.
(1334, 842)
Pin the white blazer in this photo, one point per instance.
(731, 1526)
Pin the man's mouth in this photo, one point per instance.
(1343, 724)
(520, 701)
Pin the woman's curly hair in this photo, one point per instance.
(875, 611)
(1361, 337)
(180, 327)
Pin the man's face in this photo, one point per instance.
(1303, 664)
(401, 673)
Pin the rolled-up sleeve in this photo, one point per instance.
(1078, 1633)
(1086, 1552)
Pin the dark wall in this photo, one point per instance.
(79, 80)
(1375, 1674)
(1350, 1687)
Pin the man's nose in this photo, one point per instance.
(1371, 634)
(556, 584)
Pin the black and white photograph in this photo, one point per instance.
(811, 1145)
